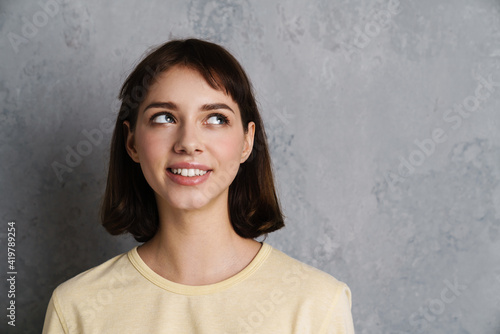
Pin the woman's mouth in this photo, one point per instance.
(188, 176)
(189, 172)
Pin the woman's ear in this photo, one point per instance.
(130, 141)
(248, 145)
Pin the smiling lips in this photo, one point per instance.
(188, 174)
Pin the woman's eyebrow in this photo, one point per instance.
(173, 106)
(164, 105)
(215, 106)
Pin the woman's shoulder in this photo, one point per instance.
(305, 278)
(113, 272)
(286, 263)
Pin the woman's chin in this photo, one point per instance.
(187, 203)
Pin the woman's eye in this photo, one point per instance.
(217, 119)
(162, 118)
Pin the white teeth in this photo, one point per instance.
(188, 172)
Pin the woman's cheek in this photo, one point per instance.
(152, 146)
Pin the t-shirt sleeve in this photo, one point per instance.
(339, 319)
(53, 323)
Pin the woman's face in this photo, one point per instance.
(189, 140)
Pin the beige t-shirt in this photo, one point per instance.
(273, 294)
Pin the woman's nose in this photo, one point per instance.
(188, 140)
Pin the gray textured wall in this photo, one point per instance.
(382, 118)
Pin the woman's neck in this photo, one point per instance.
(197, 247)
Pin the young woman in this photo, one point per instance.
(190, 177)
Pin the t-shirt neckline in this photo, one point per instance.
(183, 289)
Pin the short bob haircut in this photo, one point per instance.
(129, 203)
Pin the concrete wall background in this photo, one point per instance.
(348, 91)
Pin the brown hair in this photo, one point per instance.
(129, 203)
